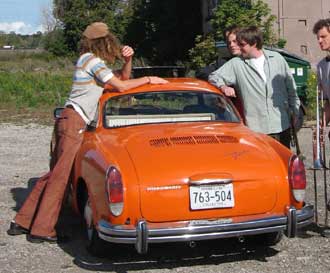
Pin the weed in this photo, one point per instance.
(311, 95)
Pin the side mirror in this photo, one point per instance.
(57, 112)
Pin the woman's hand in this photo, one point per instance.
(127, 52)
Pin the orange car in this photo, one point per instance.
(175, 163)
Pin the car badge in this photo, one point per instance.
(164, 188)
(237, 154)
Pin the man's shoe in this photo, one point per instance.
(48, 239)
(16, 229)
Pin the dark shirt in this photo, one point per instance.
(203, 73)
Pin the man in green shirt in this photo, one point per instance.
(263, 81)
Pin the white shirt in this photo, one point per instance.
(258, 63)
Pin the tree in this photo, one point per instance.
(233, 12)
(54, 42)
(49, 22)
(76, 15)
(163, 31)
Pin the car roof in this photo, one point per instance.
(182, 84)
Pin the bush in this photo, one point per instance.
(54, 42)
(311, 96)
(203, 53)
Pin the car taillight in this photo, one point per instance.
(297, 178)
(115, 192)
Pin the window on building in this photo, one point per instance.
(303, 49)
(302, 22)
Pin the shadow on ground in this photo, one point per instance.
(160, 256)
(123, 258)
(20, 194)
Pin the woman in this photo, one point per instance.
(39, 214)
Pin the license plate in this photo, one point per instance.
(211, 196)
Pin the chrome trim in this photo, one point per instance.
(291, 230)
(209, 181)
(141, 243)
(144, 232)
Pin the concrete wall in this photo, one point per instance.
(296, 19)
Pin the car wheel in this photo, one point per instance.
(95, 245)
(268, 239)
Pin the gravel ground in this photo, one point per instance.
(24, 157)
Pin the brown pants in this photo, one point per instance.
(41, 209)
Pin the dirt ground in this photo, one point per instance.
(24, 157)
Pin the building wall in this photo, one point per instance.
(206, 7)
(296, 19)
(295, 22)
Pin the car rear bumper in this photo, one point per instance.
(144, 232)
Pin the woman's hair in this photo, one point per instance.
(107, 48)
(233, 29)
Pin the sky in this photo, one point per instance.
(22, 16)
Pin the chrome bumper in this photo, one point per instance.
(144, 232)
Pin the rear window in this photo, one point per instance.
(168, 106)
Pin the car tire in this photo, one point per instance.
(95, 245)
(268, 239)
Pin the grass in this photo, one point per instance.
(32, 84)
(34, 89)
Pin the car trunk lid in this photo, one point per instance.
(181, 165)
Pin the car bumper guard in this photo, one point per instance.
(144, 232)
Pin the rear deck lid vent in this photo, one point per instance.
(160, 142)
(206, 139)
(227, 139)
(192, 140)
(184, 140)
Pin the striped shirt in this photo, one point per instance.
(89, 77)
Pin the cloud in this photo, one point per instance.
(19, 28)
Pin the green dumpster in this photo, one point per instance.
(299, 69)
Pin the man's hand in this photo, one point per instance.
(294, 121)
(127, 52)
(228, 91)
